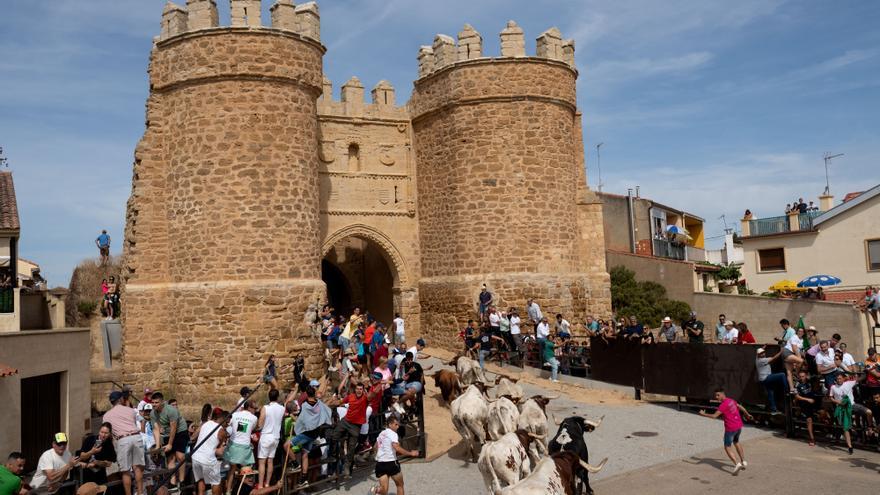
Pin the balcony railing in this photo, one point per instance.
(666, 249)
(695, 253)
(777, 225)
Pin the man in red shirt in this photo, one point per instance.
(349, 427)
(729, 410)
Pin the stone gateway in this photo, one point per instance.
(256, 197)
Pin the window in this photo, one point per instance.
(770, 260)
(354, 158)
(873, 246)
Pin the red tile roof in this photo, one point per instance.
(852, 195)
(8, 205)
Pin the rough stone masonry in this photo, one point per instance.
(249, 174)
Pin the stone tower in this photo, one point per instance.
(222, 253)
(256, 194)
(500, 179)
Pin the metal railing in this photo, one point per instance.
(666, 249)
(780, 224)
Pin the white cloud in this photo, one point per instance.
(617, 71)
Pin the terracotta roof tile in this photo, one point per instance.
(6, 370)
(8, 205)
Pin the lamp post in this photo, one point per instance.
(599, 166)
(828, 157)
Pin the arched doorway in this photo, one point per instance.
(358, 274)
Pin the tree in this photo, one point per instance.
(646, 300)
(729, 272)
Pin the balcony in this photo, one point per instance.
(783, 223)
(667, 249)
(695, 254)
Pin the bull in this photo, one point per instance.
(506, 460)
(570, 438)
(533, 418)
(554, 475)
(448, 383)
(502, 418)
(469, 413)
(507, 387)
(469, 371)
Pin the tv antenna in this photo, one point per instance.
(828, 157)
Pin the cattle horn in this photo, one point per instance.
(536, 436)
(558, 422)
(552, 397)
(595, 424)
(593, 469)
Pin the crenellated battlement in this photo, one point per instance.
(351, 102)
(445, 52)
(284, 15)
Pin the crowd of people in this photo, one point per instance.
(357, 408)
(800, 206)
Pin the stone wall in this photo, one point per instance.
(762, 314)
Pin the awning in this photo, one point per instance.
(6, 370)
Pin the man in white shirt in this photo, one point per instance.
(55, 464)
(563, 327)
(534, 312)
(418, 348)
(847, 361)
(825, 363)
(731, 334)
(205, 465)
(241, 426)
(837, 392)
(542, 331)
(399, 332)
(269, 424)
(515, 330)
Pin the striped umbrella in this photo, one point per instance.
(819, 281)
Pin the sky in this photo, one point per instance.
(709, 106)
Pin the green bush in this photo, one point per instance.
(87, 308)
(646, 300)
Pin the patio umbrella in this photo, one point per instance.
(675, 229)
(819, 281)
(784, 285)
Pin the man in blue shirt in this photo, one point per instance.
(103, 243)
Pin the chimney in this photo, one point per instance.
(826, 202)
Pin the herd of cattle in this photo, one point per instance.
(505, 435)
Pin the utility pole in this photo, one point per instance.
(599, 166)
(828, 157)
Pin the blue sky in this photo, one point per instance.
(713, 107)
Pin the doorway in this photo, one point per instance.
(40, 415)
(357, 274)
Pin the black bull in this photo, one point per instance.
(570, 438)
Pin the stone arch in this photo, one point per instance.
(392, 255)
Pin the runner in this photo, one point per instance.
(387, 449)
(733, 424)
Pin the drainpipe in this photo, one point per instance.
(632, 222)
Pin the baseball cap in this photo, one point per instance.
(115, 395)
(728, 323)
(60, 437)
(667, 320)
(148, 390)
(314, 383)
(421, 342)
(376, 375)
(147, 407)
(761, 350)
(811, 327)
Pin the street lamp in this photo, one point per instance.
(599, 166)
(828, 157)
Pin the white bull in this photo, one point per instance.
(506, 460)
(554, 475)
(468, 370)
(507, 387)
(469, 413)
(533, 418)
(503, 415)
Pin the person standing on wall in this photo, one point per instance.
(399, 331)
(103, 243)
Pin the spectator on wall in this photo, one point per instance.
(103, 243)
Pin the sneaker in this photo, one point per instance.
(737, 468)
(302, 484)
(546, 365)
(745, 465)
(554, 381)
(850, 450)
(366, 448)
